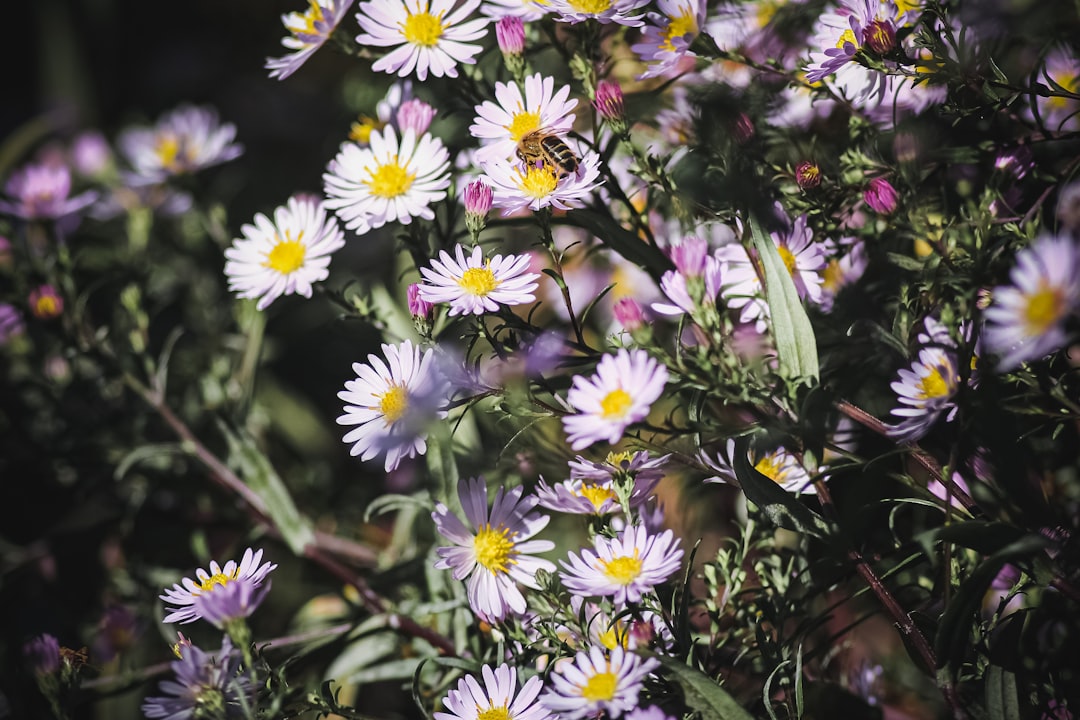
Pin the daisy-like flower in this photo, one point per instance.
(308, 32)
(625, 567)
(284, 256)
(500, 125)
(387, 182)
(841, 272)
(591, 488)
(517, 186)
(691, 284)
(642, 629)
(493, 552)
(424, 37)
(183, 141)
(473, 285)
(190, 596)
(579, 496)
(602, 11)
(620, 393)
(598, 682)
(668, 35)
(924, 391)
(210, 683)
(386, 111)
(1026, 319)
(840, 34)
(498, 699)
(526, 10)
(43, 192)
(1058, 112)
(392, 402)
(777, 464)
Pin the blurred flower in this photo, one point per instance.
(628, 314)
(474, 285)
(602, 11)
(623, 568)
(841, 272)
(385, 113)
(182, 141)
(526, 10)
(424, 36)
(653, 712)
(207, 685)
(11, 323)
(1068, 207)
(91, 155)
(881, 196)
(1015, 163)
(388, 181)
(498, 699)
(415, 115)
(535, 186)
(499, 126)
(45, 302)
(116, 633)
(620, 393)
(494, 551)
(285, 256)
(598, 682)
(42, 192)
(392, 403)
(192, 596)
(668, 34)
(695, 281)
(1026, 319)
(924, 392)
(309, 31)
(418, 307)
(1061, 113)
(43, 654)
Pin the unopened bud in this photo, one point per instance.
(477, 198)
(609, 104)
(881, 196)
(807, 175)
(510, 33)
(880, 37)
(628, 314)
(418, 306)
(743, 129)
(689, 256)
(415, 114)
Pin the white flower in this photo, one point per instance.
(597, 682)
(387, 182)
(190, 596)
(500, 125)
(625, 567)
(184, 140)
(496, 700)
(309, 31)
(285, 256)
(602, 11)
(424, 36)
(473, 285)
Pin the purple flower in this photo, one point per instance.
(43, 654)
(11, 322)
(478, 197)
(42, 192)
(881, 196)
(1016, 162)
(880, 36)
(689, 256)
(207, 682)
(192, 599)
(233, 601)
(116, 633)
(91, 155)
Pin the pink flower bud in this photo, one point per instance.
(689, 256)
(628, 314)
(416, 115)
(881, 196)
(478, 198)
(510, 32)
(609, 100)
(418, 307)
(807, 175)
(743, 129)
(46, 303)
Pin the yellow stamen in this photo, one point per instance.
(478, 281)
(600, 686)
(168, 150)
(1045, 308)
(594, 7)
(495, 713)
(933, 385)
(539, 181)
(390, 180)
(681, 26)
(423, 29)
(615, 404)
(523, 123)
(623, 570)
(214, 580)
(847, 37)
(361, 130)
(287, 255)
(788, 258)
(772, 466)
(494, 548)
(596, 494)
(393, 404)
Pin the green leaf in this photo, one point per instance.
(621, 240)
(780, 506)
(979, 535)
(251, 465)
(796, 345)
(702, 693)
(1002, 702)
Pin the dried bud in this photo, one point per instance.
(415, 114)
(46, 303)
(807, 175)
(880, 36)
(628, 314)
(881, 196)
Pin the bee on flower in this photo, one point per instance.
(500, 125)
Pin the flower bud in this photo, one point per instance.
(46, 303)
(477, 198)
(510, 32)
(418, 306)
(743, 129)
(628, 314)
(880, 37)
(43, 654)
(11, 323)
(881, 196)
(609, 104)
(415, 114)
(807, 175)
(689, 256)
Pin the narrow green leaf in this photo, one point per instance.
(621, 240)
(796, 345)
(780, 506)
(254, 469)
(1002, 702)
(702, 693)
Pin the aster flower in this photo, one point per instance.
(309, 31)
(500, 125)
(498, 699)
(493, 552)
(424, 36)
(182, 141)
(474, 285)
(392, 402)
(840, 34)
(778, 464)
(43, 192)
(841, 272)
(1061, 113)
(578, 496)
(690, 285)
(925, 391)
(386, 111)
(205, 685)
(42, 653)
(602, 11)
(190, 596)
(517, 186)
(620, 393)
(388, 181)
(1027, 317)
(598, 682)
(285, 256)
(45, 302)
(598, 627)
(625, 567)
(667, 35)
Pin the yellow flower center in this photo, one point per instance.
(1069, 81)
(312, 16)
(833, 276)
(495, 713)
(600, 686)
(523, 122)
(478, 281)
(615, 404)
(615, 636)
(615, 459)
(596, 494)
(423, 29)
(1045, 307)
(594, 7)
(494, 548)
(847, 37)
(904, 6)
(47, 306)
(390, 180)
(539, 181)
(766, 11)
(933, 385)
(214, 580)
(772, 467)
(287, 255)
(167, 149)
(684, 24)
(393, 404)
(623, 570)
(788, 258)
(360, 131)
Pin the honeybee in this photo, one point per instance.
(550, 149)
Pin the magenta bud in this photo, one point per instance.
(807, 175)
(478, 198)
(45, 302)
(881, 196)
(510, 32)
(609, 100)
(628, 314)
(415, 115)
(418, 306)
